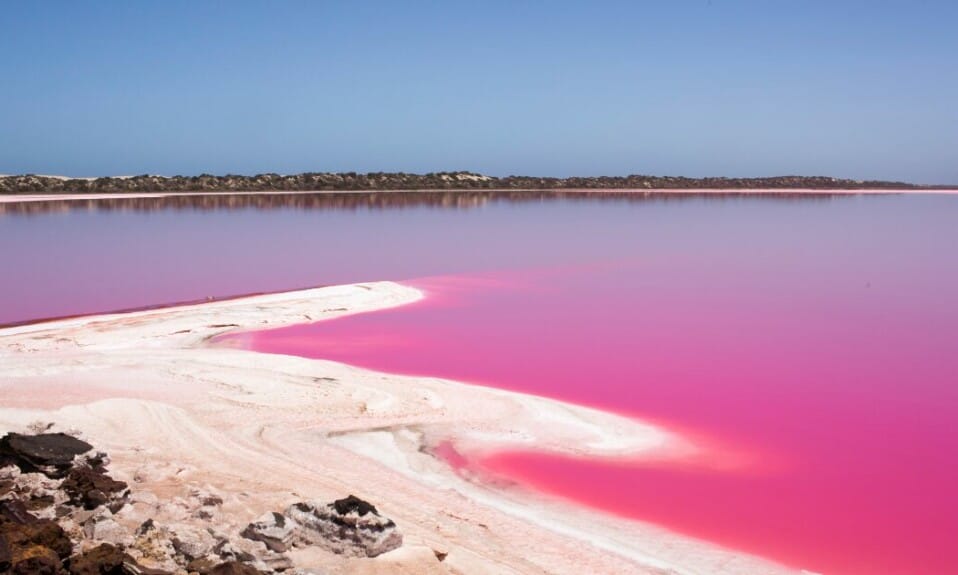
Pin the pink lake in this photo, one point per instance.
(822, 373)
(809, 344)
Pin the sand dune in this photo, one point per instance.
(177, 414)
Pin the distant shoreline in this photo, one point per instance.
(29, 198)
(34, 185)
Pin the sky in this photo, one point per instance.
(859, 89)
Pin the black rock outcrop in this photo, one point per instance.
(90, 488)
(57, 506)
(353, 504)
(104, 559)
(29, 544)
(49, 453)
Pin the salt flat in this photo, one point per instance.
(178, 415)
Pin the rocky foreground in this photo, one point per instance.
(59, 511)
(32, 184)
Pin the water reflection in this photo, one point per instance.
(376, 200)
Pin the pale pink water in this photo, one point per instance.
(809, 345)
(829, 382)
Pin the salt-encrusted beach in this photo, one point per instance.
(179, 416)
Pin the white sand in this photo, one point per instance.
(265, 430)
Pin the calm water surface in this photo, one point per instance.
(809, 346)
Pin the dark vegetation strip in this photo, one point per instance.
(31, 184)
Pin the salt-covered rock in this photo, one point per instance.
(273, 529)
(9, 473)
(36, 485)
(349, 526)
(205, 504)
(152, 547)
(242, 550)
(104, 528)
(192, 542)
(274, 562)
(40, 493)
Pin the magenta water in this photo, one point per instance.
(817, 365)
(809, 345)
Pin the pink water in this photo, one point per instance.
(825, 389)
(809, 345)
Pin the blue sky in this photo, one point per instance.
(864, 89)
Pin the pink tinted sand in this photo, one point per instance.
(825, 401)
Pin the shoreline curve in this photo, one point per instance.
(177, 414)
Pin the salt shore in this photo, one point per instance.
(177, 414)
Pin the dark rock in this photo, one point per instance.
(35, 560)
(49, 453)
(29, 544)
(13, 511)
(103, 560)
(203, 514)
(353, 504)
(97, 461)
(89, 488)
(37, 502)
(108, 559)
(42, 532)
(232, 568)
(6, 556)
(146, 527)
(211, 500)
